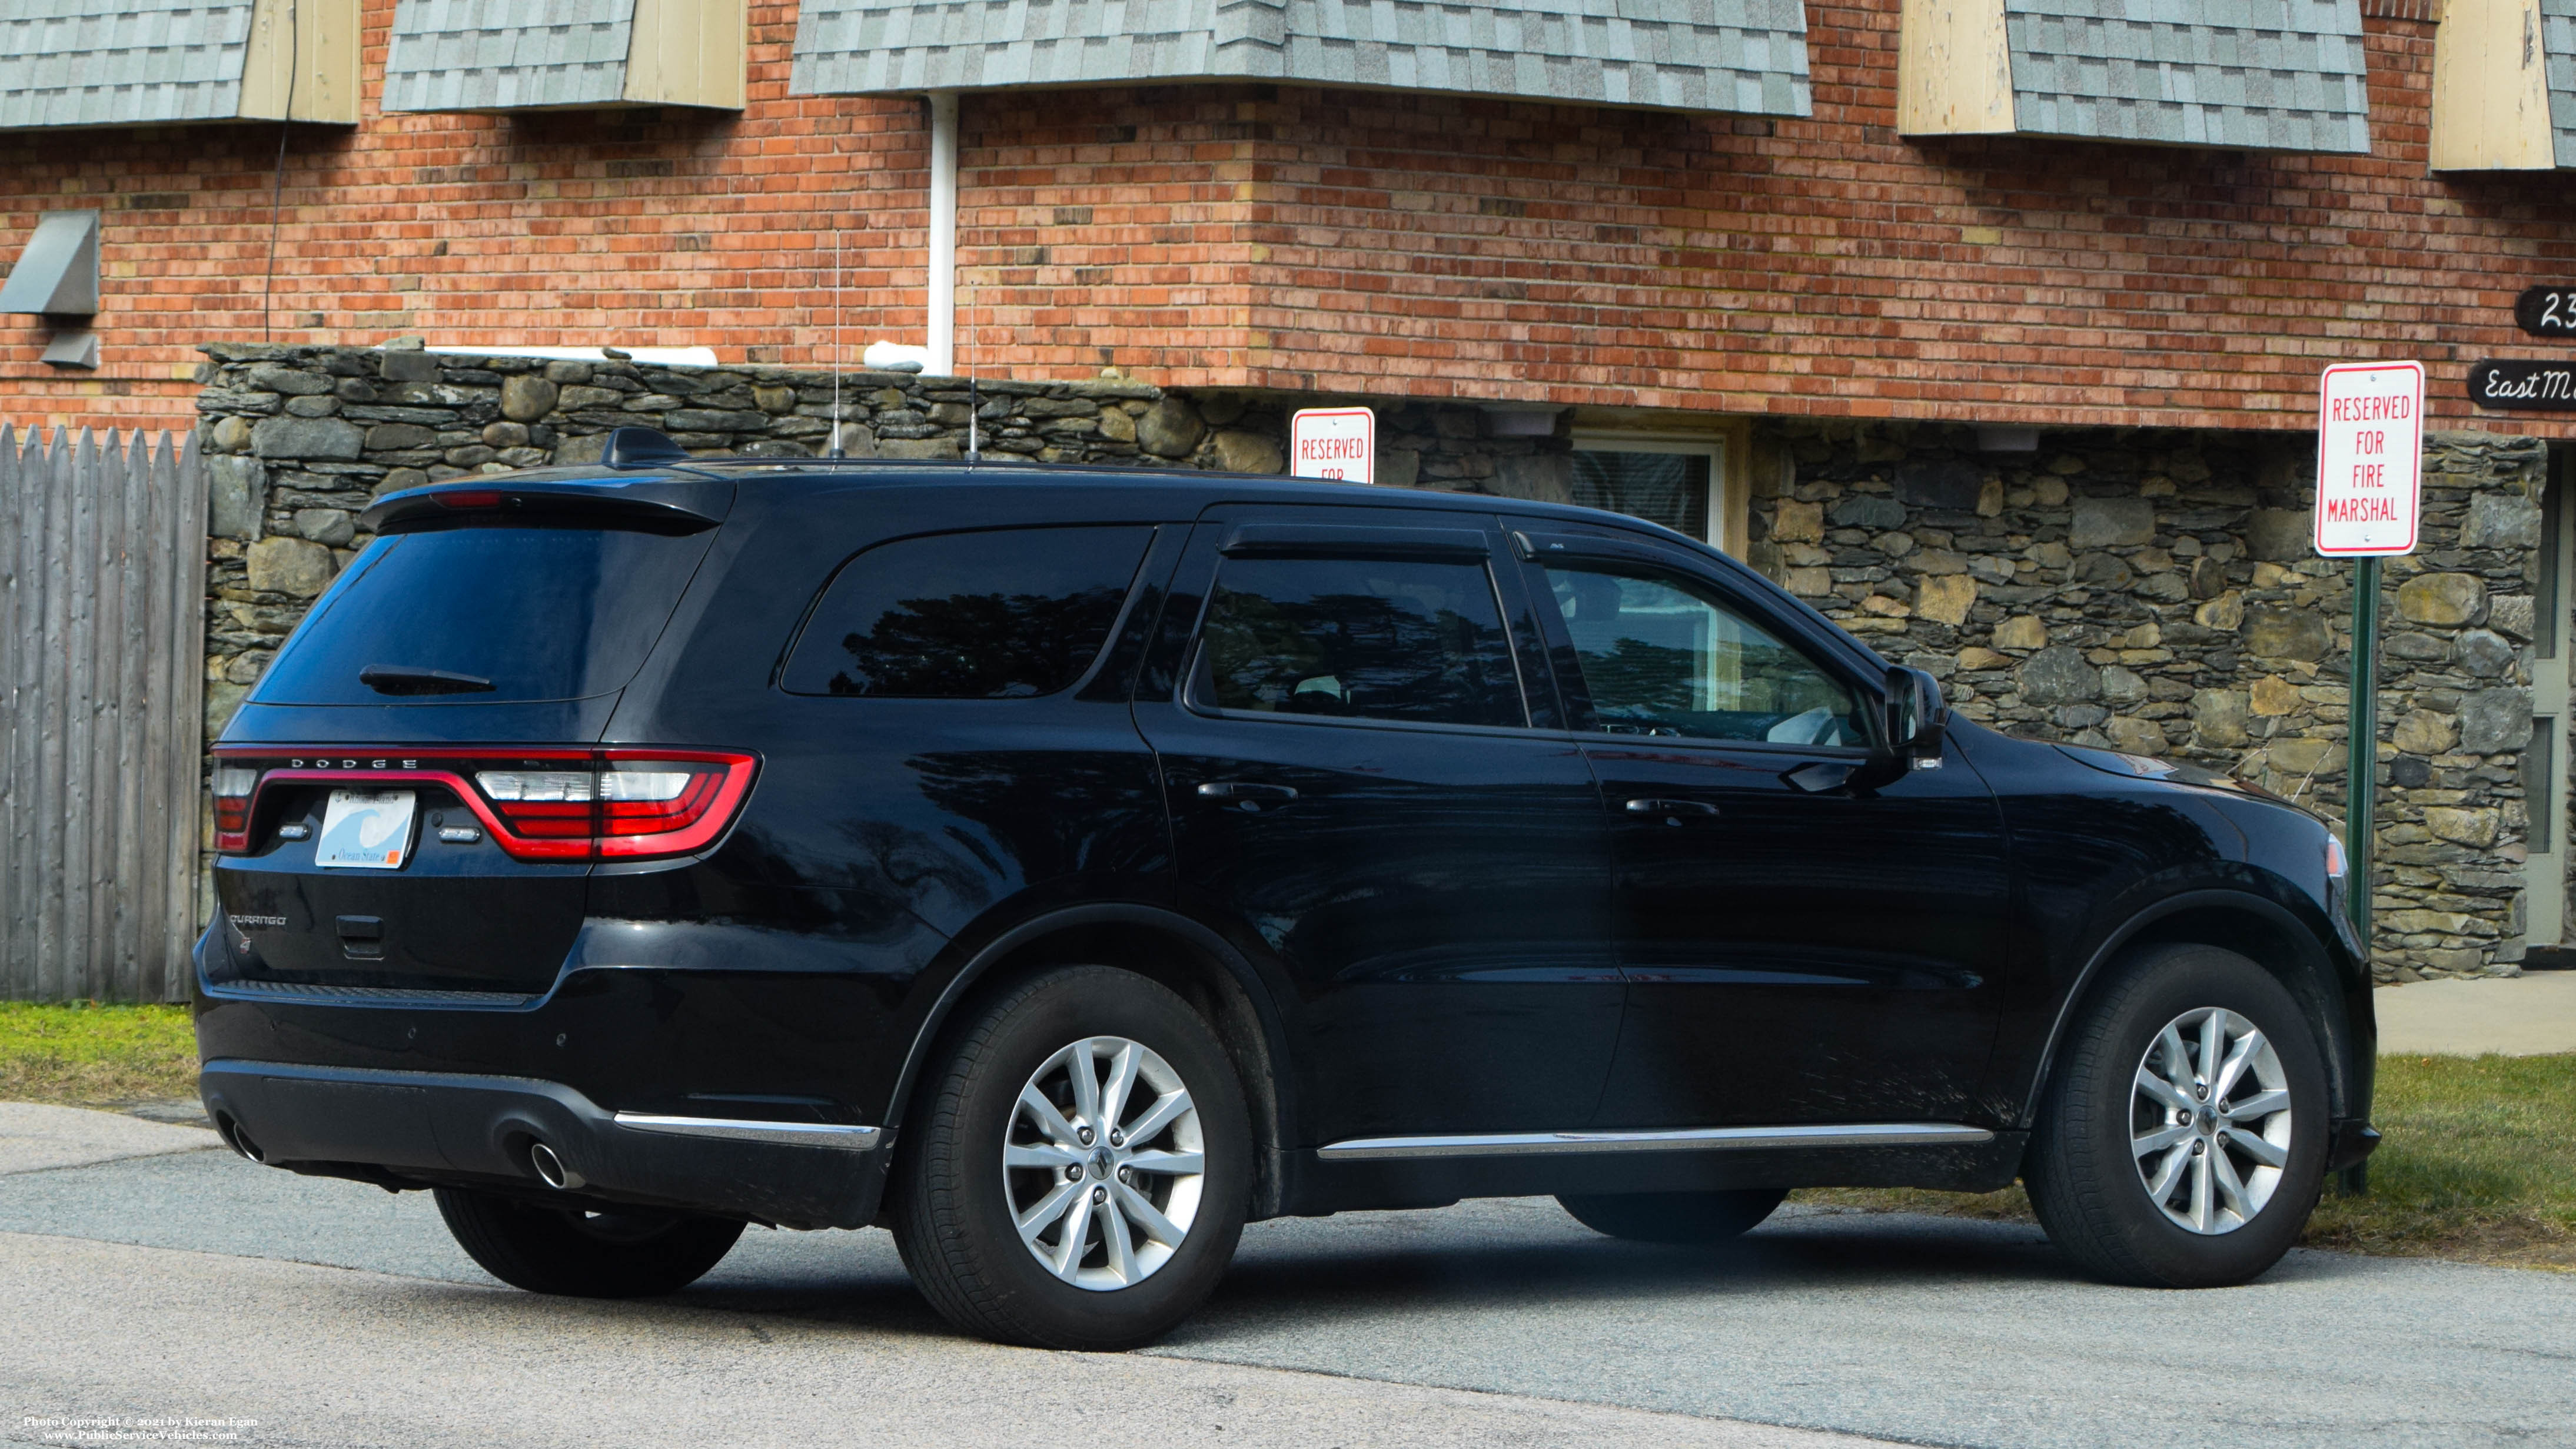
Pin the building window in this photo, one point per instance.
(1679, 483)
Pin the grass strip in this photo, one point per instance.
(2478, 1165)
(90, 1055)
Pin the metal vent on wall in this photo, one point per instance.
(57, 274)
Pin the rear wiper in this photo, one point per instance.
(409, 679)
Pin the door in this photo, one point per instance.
(1359, 796)
(1798, 950)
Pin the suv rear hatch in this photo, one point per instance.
(412, 798)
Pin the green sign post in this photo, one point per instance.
(2370, 454)
(2362, 772)
(2370, 449)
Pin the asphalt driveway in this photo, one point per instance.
(187, 1283)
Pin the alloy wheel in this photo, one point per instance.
(1104, 1165)
(2210, 1121)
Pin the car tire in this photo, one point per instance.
(1701, 1218)
(1102, 1176)
(606, 1252)
(2148, 1172)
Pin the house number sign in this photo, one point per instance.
(2546, 311)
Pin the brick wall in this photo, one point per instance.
(1394, 245)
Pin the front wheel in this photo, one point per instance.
(1081, 1168)
(596, 1252)
(2182, 1142)
(1700, 1218)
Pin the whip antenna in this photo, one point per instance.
(974, 434)
(839, 450)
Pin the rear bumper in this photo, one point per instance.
(421, 1129)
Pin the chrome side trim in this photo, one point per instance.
(735, 1129)
(1690, 1139)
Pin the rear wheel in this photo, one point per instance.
(2182, 1142)
(606, 1252)
(1675, 1217)
(1081, 1166)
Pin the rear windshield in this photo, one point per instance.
(539, 613)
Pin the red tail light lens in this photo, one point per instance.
(633, 805)
(655, 797)
(540, 804)
(234, 785)
(546, 805)
(656, 804)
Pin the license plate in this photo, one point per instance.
(365, 830)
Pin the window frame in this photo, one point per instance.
(1643, 555)
(1724, 527)
(1195, 679)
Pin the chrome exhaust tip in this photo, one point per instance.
(550, 1168)
(238, 1140)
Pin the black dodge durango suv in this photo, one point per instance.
(1064, 867)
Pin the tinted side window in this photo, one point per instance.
(1001, 614)
(1358, 639)
(1663, 657)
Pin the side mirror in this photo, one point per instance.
(1916, 717)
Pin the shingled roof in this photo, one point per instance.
(2277, 75)
(121, 62)
(1713, 55)
(462, 55)
(2558, 43)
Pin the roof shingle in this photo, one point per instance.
(2272, 75)
(121, 62)
(1733, 55)
(456, 55)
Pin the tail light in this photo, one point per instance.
(549, 805)
(562, 805)
(629, 804)
(234, 785)
(655, 797)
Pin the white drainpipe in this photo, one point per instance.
(943, 235)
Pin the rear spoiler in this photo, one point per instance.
(689, 503)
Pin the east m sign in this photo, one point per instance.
(2546, 387)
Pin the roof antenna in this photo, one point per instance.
(839, 449)
(974, 436)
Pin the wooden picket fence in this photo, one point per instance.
(102, 649)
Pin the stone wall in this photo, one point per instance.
(2156, 592)
(299, 440)
(2148, 590)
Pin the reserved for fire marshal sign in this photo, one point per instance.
(2370, 450)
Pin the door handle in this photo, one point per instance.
(1246, 794)
(1671, 809)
